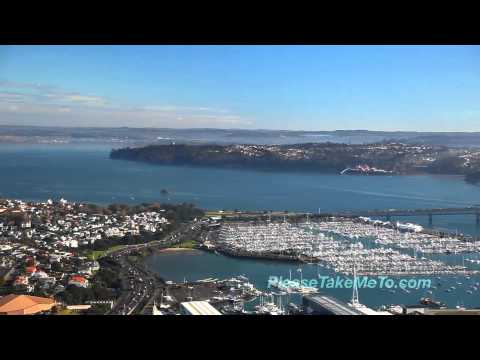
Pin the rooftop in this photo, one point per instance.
(24, 304)
(199, 308)
(335, 306)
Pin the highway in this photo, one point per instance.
(139, 284)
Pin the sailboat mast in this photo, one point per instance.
(355, 288)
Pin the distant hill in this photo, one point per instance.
(144, 136)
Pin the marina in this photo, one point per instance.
(197, 265)
(342, 244)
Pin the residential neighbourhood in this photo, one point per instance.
(49, 247)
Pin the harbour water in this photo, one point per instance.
(85, 173)
(196, 264)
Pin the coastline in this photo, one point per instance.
(173, 249)
(288, 171)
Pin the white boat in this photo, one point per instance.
(268, 307)
(307, 290)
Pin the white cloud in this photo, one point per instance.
(175, 108)
(12, 97)
(37, 104)
(88, 100)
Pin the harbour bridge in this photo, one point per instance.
(388, 214)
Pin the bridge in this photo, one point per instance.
(388, 214)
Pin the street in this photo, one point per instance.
(139, 284)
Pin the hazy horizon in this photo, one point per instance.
(234, 129)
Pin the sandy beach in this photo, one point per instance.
(176, 249)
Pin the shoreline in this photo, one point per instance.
(173, 249)
(282, 169)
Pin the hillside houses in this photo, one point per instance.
(41, 243)
(73, 229)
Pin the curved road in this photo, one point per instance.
(139, 284)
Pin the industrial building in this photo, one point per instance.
(198, 308)
(327, 305)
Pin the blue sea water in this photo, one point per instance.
(195, 265)
(85, 173)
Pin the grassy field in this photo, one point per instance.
(97, 254)
(190, 244)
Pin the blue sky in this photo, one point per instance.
(421, 88)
